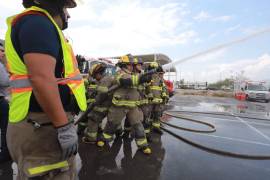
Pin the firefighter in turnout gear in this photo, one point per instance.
(102, 102)
(144, 103)
(91, 85)
(165, 92)
(125, 103)
(157, 95)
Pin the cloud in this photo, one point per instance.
(204, 16)
(259, 69)
(222, 18)
(254, 69)
(233, 28)
(102, 28)
(129, 26)
(198, 40)
(213, 56)
(8, 8)
(253, 29)
(12, 5)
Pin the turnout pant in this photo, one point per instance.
(37, 151)
(156, 113)
(94, 121)
(146, 109)
(135, 117)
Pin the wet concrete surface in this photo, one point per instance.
(122, 161)
(219, 104)
(174, 159)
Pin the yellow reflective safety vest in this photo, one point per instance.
(21, 88)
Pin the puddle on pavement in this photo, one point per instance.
(248, 108)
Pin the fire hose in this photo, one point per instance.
(221, 114)
(200, 146)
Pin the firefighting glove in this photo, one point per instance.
(68, 139)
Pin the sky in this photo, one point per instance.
(176, 28)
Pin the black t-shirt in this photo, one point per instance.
(36, 34)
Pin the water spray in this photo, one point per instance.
(217, 48)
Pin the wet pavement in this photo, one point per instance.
(219, 104)
(174, 159)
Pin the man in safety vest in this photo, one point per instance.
(102, 102)
(125, 104)
(46, 87)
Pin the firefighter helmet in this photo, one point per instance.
(70, 3)
(97, 68)
(126, 59)
(64, 3)
(152, 65)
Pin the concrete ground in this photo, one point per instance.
(173, 159)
